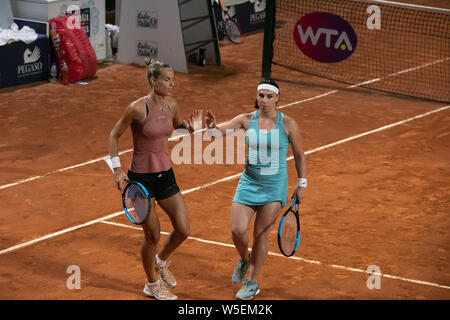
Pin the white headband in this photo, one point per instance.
(266, 86)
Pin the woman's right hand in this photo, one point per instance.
(120, 177)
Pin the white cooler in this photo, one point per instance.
(92, 17)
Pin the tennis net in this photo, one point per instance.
(393, 47)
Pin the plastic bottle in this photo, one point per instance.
(55, 38)
(201, 56)
(53, 73)
(64, 73)
(109, 53)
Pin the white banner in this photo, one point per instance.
(151, 29)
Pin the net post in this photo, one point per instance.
(212, 19)
(269, 37)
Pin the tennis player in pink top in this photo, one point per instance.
(152, 120)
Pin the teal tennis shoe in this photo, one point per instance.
(248, 291)
(240, 271)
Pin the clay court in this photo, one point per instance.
(378, 190)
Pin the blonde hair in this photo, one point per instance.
(154, 68)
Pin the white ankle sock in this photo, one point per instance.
(159, 262)
(152, 284)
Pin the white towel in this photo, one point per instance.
(26, 34)
(114, 34)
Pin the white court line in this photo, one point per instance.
(336, 266)
(167, 233)
(58, 233)
(418, 67)
(28, 243)
(177, 137)
(55, 171)
(375, 130)
(308, 99)
(367, 82)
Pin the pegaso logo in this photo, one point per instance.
(30, 57)
(325, 37)
(30, 66)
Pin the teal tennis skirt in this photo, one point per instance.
(255, 189)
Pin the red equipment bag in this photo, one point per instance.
(72, 45)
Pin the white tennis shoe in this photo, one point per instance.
(158, 291)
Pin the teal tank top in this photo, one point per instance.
(266, 150)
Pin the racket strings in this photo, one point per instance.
(289, 233)
(136, 203)
(233, 31)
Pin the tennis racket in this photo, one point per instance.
(289, 230)
(136, 202)
(232, 29)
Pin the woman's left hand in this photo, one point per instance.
(196, 119)
(299, 192)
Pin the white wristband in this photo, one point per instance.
(302, 182)
(115, 161)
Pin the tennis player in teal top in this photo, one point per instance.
(263, 185)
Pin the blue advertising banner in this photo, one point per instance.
(23, 63)
(250, 16)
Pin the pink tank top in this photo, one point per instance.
(150, 140)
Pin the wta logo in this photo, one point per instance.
(325, 37)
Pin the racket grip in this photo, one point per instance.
(296, 203)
